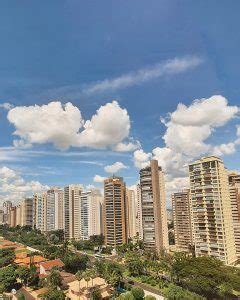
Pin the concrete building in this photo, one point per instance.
(114, 212)
(27, 211)
(139, 227)
(54, 209)
(71, 208)
(7, 205)
(40, 211)
(154, 212)
(211, 207)
(131, 214)
(18, 215)
(1, 217)
(182, 220)
(234, 186)
(12, 216)
(91, 213)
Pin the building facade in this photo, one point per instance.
(72, 194)
(131, 214)
(234, 186)
(182, 220)
(154, 212)
(211, 208)
(40, 211)
(114, 212)
(27, 212)
(54, 209)
(91, 213)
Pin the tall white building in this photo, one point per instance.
(211, 208)
(40, 210)
(72, 194)
(91, 213)
(54, 209)
(139, 226)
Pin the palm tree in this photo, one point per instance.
(87, 276)
(79, 276)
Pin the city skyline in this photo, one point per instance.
(88, 96)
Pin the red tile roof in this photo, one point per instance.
(48, 265)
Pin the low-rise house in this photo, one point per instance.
(35, 260)
(47, 266)
(83, 289)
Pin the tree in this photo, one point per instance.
(54, 294)
(138, 293)
(6, 257)
(7, 278)
(23, 273)
(74, 263)
(54, 279)
(126, 296)
(96, 295)
(113, 273)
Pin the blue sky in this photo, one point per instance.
(90, 53)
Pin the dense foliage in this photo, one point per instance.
(6, 257)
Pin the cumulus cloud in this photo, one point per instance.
(188, 129)
(141, 158)
(169, 67)
(13, 187)
(98, 179)
(63, 125)
(114, 168)
(127, 147)
(6, 106)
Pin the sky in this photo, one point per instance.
(94, 88)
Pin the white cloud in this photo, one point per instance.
(117, 166)
(98, 179)
(169, 67)
(63, 125)
(13, 187)
(187, 131)
(6, 106)
(127, 147)
(141, 159)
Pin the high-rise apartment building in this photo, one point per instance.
(139, 227)
(1, 217)
(40, 211)
(211, 208)
(131, 214)
(12, 216)
(19, 215)
(71, 208)
(154, 212)
(54, 209)
(182, 220)
(27, 211)
(234, 186)
(114, 211)
(91, 213)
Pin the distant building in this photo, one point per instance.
(1, 217)
(139, 226)
(182, 219)
(211, 207)
(234, 186)
(54, 209)
(154, 211)
(40, 211)
(114, 212)
(12, 216)
(72, 194)
(91, 213)
(27, 212)
(131, 214)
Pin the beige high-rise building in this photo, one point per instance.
(154, 211)
(27, 212)
(18, 215)
(91, 213)
(12, 216)
(182, 218)
(40, 211)
(211, 207)
(139, 227)
(114, 212)
(131, 214)
(1, 217)
(234, 186)
(72, 194)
